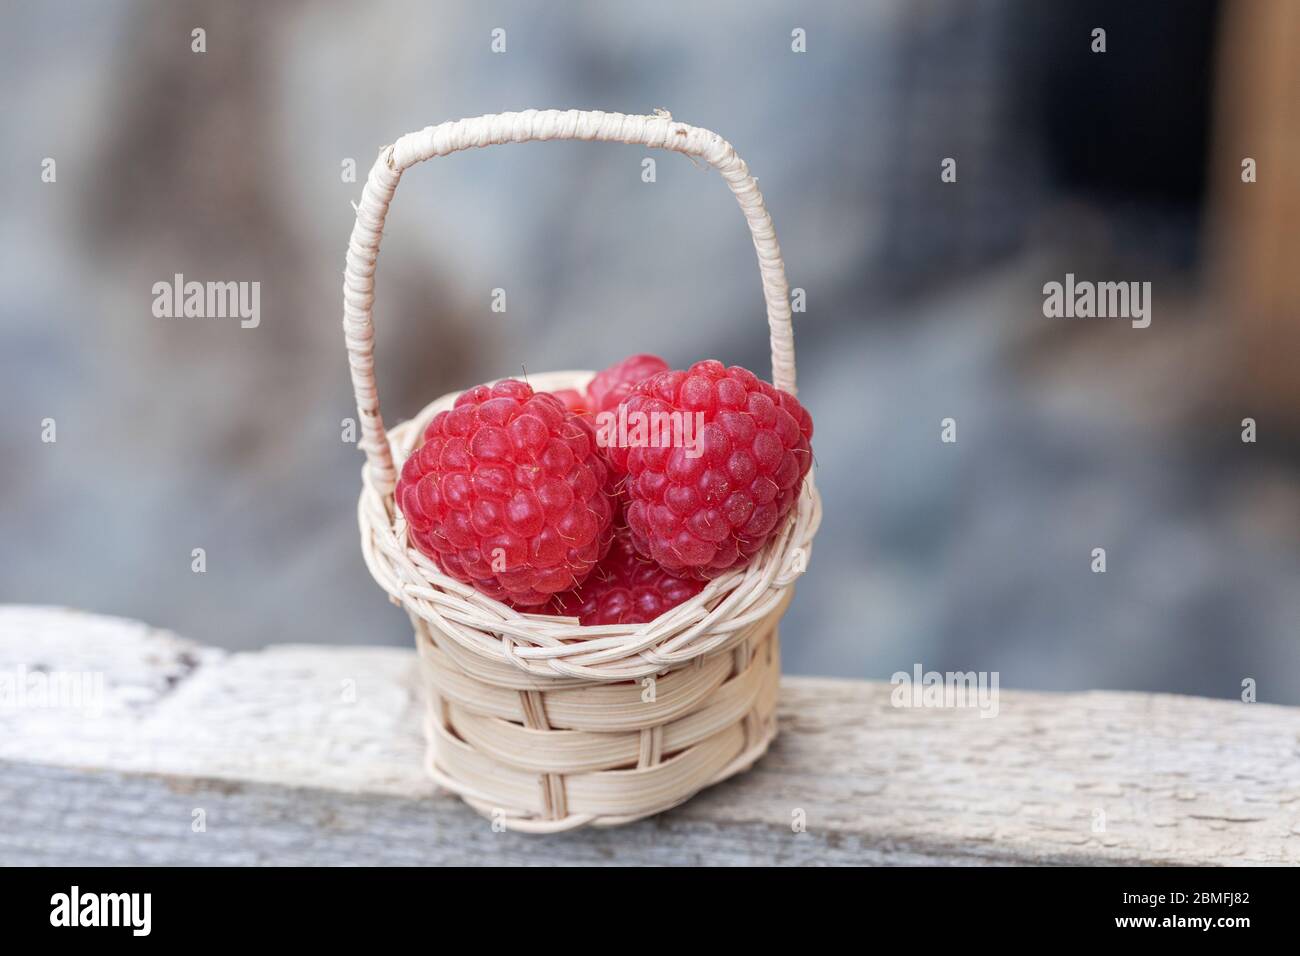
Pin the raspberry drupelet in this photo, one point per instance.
(507, 493)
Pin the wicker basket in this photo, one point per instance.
(539, 723)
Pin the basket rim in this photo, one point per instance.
(722, 615)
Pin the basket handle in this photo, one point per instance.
(658, 131)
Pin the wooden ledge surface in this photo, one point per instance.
(312, 755)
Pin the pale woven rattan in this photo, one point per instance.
(533, 720)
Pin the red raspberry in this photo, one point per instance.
(625, 588)
(614, 384)
(702, 510)
(572, 399)
(506, 494)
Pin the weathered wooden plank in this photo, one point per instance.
(311, 755)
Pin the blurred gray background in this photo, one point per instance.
(924, 302)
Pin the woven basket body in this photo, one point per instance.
(539, 723)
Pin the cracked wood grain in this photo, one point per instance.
(312, 755)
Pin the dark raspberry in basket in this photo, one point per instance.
(614, 384)
(625, 588)
(711, 484)
(507, 494)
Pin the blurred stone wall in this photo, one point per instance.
(923, 302)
